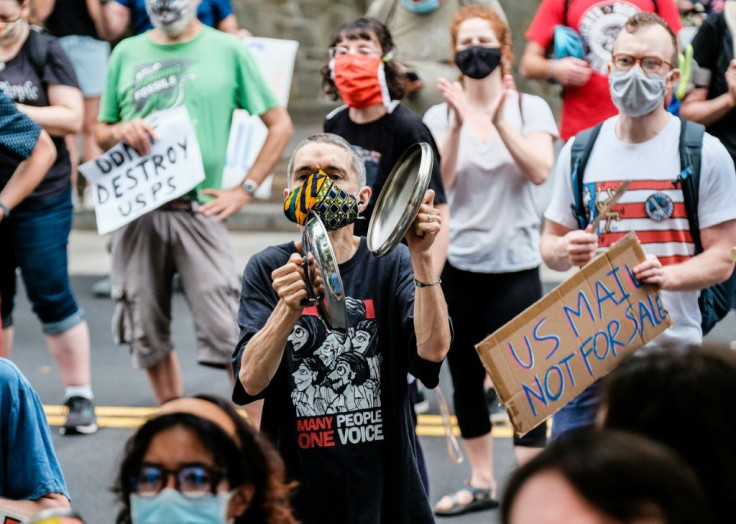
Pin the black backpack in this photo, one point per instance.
(715, 302)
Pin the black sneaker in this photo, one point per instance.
(80, 417)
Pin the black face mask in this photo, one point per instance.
(478, 62)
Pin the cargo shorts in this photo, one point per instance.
(145, 255)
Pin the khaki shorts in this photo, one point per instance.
(145, 255)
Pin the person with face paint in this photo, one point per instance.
(423, 48)
(35, 236)
(496, 145)
(198, 461)
(361, 71)
(118, 15)
(641, 144)
(351, 450)
(181, 62)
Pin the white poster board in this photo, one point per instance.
(275, 59)
(127, 185)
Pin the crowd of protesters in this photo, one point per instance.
(330, 436)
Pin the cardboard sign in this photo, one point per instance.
(275, 59)
(127, 185)
(573, 336)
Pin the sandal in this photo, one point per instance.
(481, 499)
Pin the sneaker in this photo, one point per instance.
(103, 287)
(80, 417)
(421, 403)
(497, 411)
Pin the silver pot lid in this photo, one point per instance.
(323, 276)
(398, 204)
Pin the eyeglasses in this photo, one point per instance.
(8, 22)
(649, 64)
(362, 50)
(191, 480)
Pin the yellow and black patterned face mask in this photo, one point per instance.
(318, 193)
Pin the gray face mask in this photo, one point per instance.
(636, 93)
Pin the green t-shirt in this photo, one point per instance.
(211, 75)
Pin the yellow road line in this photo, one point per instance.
(125, 417)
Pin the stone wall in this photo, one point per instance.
(311, 22)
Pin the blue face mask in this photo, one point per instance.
(171, 506)
(422, 7)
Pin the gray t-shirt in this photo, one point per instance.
(494, 224)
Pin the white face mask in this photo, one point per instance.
(171, 16)
(11, 31)
(636, 93)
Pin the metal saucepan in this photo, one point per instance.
(324, 284)
(398, 204)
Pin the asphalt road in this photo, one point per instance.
(89, 462)
(123, 398)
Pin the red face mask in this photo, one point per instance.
(360, 80)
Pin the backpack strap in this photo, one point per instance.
(691, 152)
(579, 155)
(38, 49)
(564, 12)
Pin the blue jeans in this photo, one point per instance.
(34, 238)
(577, 415)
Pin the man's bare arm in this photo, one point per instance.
(262, 354)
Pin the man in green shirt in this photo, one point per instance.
(181, 62)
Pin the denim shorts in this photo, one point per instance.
(89, 58)
(579, 414)
(34, 239)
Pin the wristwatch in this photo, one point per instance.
(249, 187)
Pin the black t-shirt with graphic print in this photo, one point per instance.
(20, 81)
(338, 408)
(713, 50)
(380, 144)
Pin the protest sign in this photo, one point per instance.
(127, 185)
(275, 59)
(574, 335)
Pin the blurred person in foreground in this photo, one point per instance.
(651, 394)
(30, 474)
(496, 145)
(604, 477)
(353, 454)
(197, 460)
